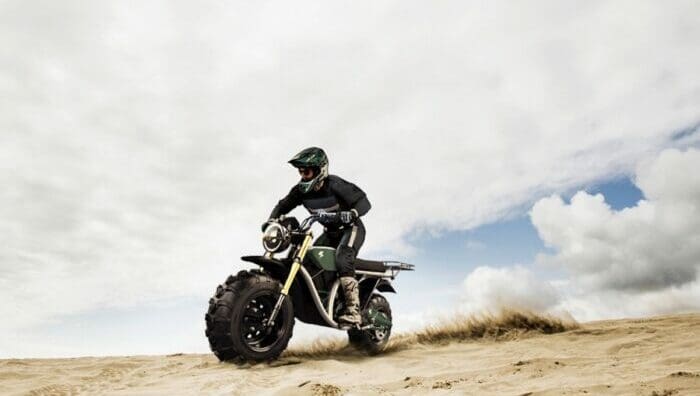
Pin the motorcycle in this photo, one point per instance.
(251, 315)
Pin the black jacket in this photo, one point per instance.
(335, 195)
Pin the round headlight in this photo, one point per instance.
(276, 238)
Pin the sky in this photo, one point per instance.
(542, 156)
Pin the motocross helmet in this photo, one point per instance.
(314, 158)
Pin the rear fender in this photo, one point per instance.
(385, 286)
(368, 285)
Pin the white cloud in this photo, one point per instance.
(651, 246)
(586, 304)
(142, 144)
(491, 289)
(638, 261)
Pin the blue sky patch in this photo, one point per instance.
(451, 256)
(619, 193)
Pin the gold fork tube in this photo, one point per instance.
(297, 263)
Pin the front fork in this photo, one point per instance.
(298, 259)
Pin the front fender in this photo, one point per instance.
(279, 269)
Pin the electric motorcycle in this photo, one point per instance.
(251, 315)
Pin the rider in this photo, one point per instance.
(320, 192)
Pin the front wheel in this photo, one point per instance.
(374, 340)
(237, 319)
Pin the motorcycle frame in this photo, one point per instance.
(297, 255)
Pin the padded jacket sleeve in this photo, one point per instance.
(286, 204)
(350, 194)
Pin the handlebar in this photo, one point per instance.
(309, 221)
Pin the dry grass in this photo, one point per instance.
(506, 325)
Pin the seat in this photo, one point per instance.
(369, 265)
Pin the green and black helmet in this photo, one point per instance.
(316, 159)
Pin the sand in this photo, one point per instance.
(655, 356)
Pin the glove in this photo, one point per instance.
(327, 217)
(347, 217)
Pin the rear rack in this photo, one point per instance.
(394, 267)
(391, 269)
(399, 266)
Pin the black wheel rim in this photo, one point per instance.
(254, 330)
(379, 336)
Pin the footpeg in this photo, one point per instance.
(349, 326)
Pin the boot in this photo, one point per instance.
(352, 301)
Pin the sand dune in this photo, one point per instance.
(514, 354)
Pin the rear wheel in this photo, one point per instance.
(375, 340)
(238, 316)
